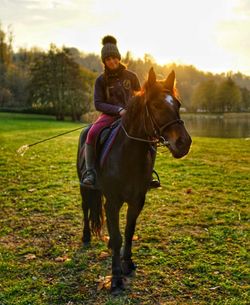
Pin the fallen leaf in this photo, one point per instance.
(104, 282)
(50, 280)
(31, 190)
(189, 191)
(214, 288)
(104, 254)
(135, 237)
(105, 238)
(30, 256)
(61, 259)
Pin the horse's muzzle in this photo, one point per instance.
(181, 146)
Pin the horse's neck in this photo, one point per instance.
(132, 152)
(134, 119)
(134, 133)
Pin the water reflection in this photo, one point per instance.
(212, 125)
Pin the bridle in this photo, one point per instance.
(157, 130)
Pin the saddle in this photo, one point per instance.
(103, 143)
(106, 140)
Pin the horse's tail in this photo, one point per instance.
(93, 200)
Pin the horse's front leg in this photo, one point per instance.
(112, 214)
(132, 214)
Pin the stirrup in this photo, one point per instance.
(87, 181)
(155, 183)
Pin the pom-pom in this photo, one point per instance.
(108, 39)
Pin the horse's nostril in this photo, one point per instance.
(180, 143)
(183, 144)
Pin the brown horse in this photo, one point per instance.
(152, 116)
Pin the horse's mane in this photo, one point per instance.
(136, 111)
(135, 107)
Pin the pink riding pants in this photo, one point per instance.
(104, 120)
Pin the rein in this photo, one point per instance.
(157, 130)
(137, 138)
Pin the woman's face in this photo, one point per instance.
(112, 63)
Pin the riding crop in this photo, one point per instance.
(22, 150)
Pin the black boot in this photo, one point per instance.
(88, 178)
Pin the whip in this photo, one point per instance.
(22, 150)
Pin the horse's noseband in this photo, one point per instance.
(158, 130)
(162, 128)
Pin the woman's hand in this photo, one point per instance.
(122, 112)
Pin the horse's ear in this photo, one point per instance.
(170, 81)
(151, 77)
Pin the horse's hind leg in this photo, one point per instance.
(132, 214)
(112, 214)
(86, 237)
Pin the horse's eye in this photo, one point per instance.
(169, 99)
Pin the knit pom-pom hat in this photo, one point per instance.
(109, 48)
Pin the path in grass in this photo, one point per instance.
(191, 238)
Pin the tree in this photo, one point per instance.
(204, 96)
(228, 96)
(6, 40)
(57, 81)
(17, 81)
(5, 61)
(90, 61)
(245, 105)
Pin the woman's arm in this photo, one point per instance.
(100, 99)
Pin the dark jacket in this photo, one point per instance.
(112, 95)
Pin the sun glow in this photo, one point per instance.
(186, 32)
(210, 34)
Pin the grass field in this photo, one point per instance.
(191, 238)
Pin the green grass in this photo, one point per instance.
(192, 236)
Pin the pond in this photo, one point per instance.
(228, 125)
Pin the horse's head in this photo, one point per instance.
(163, 108)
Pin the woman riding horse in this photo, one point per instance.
(113, 89)
(152, 115)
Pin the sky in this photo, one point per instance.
(212, 35)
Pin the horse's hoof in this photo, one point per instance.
(86, 238)
(117, 286)
(86, 243)
(109, 244)
(128, 267)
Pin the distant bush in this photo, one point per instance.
(90, 117)
(30, 110)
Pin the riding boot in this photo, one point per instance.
(88, 178)
(155, 183)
